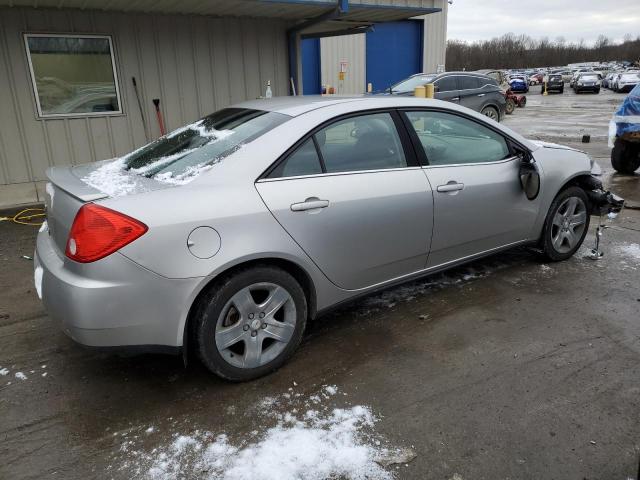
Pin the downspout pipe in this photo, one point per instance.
(342, 7)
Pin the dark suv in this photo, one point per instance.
(472, 90)
(553, 83)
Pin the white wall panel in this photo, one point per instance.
(350, 48)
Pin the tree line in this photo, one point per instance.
(522, 51)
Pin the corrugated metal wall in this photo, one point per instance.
(352, 48)
(194, 64)
(435, 37)
(349, 48)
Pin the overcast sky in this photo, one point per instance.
(572, 19)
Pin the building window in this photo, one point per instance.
(73, 75)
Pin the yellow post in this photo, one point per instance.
(420, 91)
(546, 90)
(430, 90)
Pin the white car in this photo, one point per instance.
(625, 82)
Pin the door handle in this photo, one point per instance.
(311, 203)
(455, 99)
(451, 187)
(481, 94)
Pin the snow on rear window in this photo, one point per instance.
(185, 153)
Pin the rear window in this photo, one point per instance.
(589, 78)
(555, 78)
(184, 152)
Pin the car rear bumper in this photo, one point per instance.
(113, 302)
(590, 88)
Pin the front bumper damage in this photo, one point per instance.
(602, 202)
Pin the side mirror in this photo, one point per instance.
(436, 88)
(529, 177)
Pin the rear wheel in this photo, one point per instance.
(566, 224)
(250, 323)
(491, 112)
(511, 106)
(625, 156)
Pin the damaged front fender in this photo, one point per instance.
(601, 201)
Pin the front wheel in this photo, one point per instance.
(250, 323)
(566, 224)
(625, 156)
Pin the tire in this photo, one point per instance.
(625, 156)
(237, 300)
(561, 90)
(510, 107)
(542, 90)
(523, 102)
(557, 243)
(597, 91)
(491, 112)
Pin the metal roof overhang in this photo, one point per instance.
(328, 17)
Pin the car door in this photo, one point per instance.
(353, 196)
(469, 92)
(479, 204)
(446, 88)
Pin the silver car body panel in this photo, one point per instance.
(143, 293)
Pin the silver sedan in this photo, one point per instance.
(228, 235)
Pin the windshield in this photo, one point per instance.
(411, 83)
(589, 78)
(188, 149)
(555, 78)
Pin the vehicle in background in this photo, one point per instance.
(608, 79)
(514, 100)
(625, 130)
(577, 73)
(553, 83)
(497, 75)
(626, 81)
(536, 79)
(519, 83)
(296, 205)
(472, 90)
(587, 82)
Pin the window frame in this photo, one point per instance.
(46, 116)
(407, 145)
(513, 145)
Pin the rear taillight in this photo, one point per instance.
(99, 231)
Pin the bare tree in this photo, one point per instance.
(521, 51)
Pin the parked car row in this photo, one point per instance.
(621, 82)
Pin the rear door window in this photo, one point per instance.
(447, 84)
(304, 161)
(366, 142)
(468, 83)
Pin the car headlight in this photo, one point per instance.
(580, 84)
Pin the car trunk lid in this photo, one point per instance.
(70, 187)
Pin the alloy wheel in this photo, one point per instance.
(568, 224)
(255, 325)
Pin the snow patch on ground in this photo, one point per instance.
(4, 372)
(20, 376)
(312, 442)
